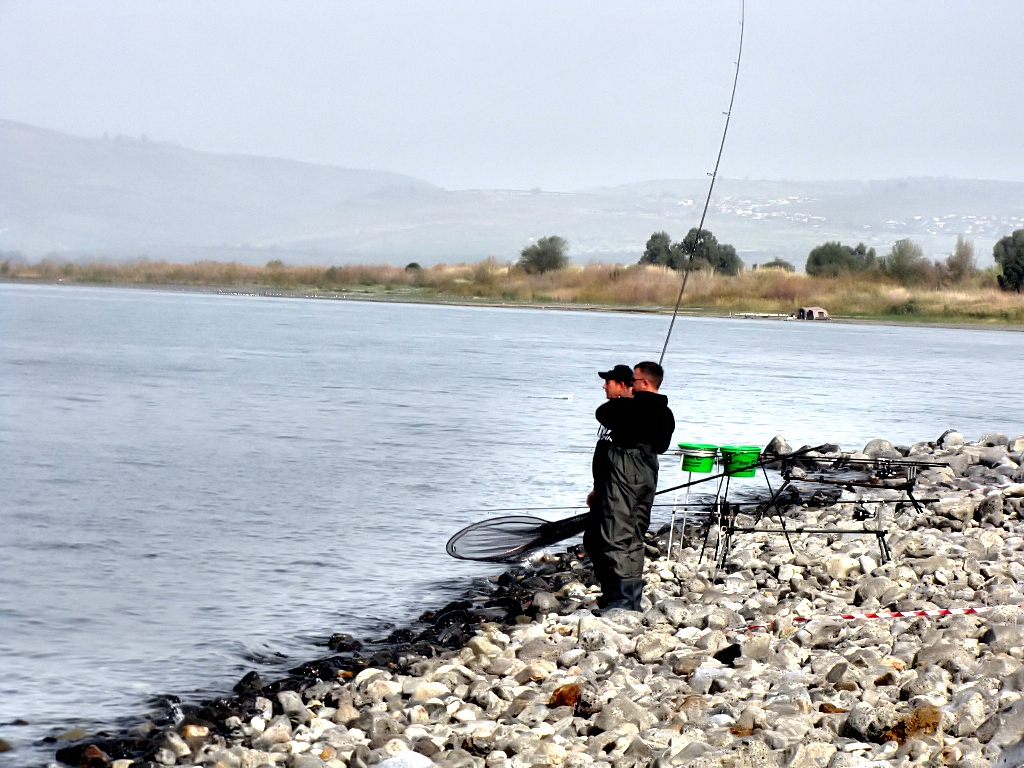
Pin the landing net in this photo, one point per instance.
(506, 539)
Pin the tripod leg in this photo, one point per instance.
(883, 548)
(915, 502)
(671, 530)
(782, 522)
(729, 513)
(774, 502)
(686, 512)
(707, 534)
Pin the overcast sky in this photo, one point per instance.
(561, 94)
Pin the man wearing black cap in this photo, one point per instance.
(636, 425)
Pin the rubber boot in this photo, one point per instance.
(626, 597)
(632, 591)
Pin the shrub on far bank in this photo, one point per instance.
(961, 265)
(780, 264)
(831, 259)
(546, 255)
(698, 250)
(906, 263)
(1009, 255)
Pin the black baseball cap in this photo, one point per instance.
(620, 373)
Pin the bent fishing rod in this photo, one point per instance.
(711, 186)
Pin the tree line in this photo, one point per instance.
(907, 264)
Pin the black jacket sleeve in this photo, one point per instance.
(667, 427)
(616, 414)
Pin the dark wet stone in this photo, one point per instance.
(84, 756)
(729, 654)
(343, 643)
(251, 682)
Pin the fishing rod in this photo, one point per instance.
(695, 505)
(714, 176)
(764, 462)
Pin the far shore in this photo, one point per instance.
(394, 297)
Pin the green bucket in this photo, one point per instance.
(740, 460)
(698, 457)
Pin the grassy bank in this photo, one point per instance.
(856, 296)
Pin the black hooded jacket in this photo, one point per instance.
(644, 419)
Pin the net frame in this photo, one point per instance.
(512, 537)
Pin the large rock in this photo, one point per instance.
(813, 755)
(596, 633)
(1000, 638)
(958, 463)
(652, 646)
(841, 566)
(406, 759)
(957, 508)
(930, 679)
(481, 646)
(950, 439)
(777, 446)
(993, 440)
(428, 690)
(860, 723)
(757, 647)
(380, 689)
(872, 588)
(920, 723)
(545, 602)
(881, 449)
(936, 654)
(291, 704)
(675, 610)
(929, 565)
(278, 731)
(621, 710)
(539, 648)
(1003, 728)
(967, 710)
(994, 456)
(176, 744)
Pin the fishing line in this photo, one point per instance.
(714, 176)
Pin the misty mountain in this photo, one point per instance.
(124, 198)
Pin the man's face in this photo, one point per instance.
(614, 389)
(641, 383)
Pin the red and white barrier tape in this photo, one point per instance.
(885, 615)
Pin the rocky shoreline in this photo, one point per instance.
(522, 672)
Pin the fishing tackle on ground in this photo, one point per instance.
(512, 537)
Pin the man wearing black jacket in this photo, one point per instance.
(636, 425)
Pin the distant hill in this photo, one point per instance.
(123, 198)
(126, 197)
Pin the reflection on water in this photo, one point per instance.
(196, 484)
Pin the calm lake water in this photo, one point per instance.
(195, 485)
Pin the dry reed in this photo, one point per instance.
(766, 290)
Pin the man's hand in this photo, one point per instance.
(590, 498)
